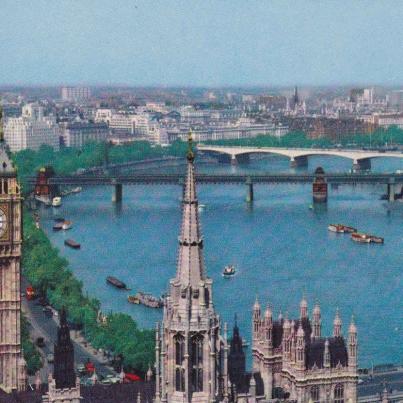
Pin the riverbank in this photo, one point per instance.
(50, 275)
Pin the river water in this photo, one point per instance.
(280, 247)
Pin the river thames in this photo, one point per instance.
(280, 247)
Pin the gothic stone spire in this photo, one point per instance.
(190, 270)
(63, 371)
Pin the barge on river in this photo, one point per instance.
(73, 244)
(366, 238)
(341, 228)
(146, 299)
(116, 283)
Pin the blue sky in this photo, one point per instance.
(201, 42)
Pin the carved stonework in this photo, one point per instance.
(12, 364)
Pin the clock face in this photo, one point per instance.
(3, 222)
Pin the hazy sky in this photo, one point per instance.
(201, 42)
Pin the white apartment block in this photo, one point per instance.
(386, 120)
(104, 115)
(22, 133)
(72, 94)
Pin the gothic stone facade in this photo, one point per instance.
(12, 364)
(293, 361)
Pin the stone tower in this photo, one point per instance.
(191, 355)
(12, 364)
(63, 386)
(63, 370)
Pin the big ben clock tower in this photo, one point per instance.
(12, 364)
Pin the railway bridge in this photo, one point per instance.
(44, 185)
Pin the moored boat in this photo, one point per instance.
(228, 271)
(56, 201)
(133, 299)
(78, 189)
(73, 244)
(360, 238)
(116, 283)
(376, 239)
(67, 225)
(149, 300)
(58, 226)
(341, 228)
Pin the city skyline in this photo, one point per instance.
(202, 44)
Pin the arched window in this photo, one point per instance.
(179, 359)
(339, 393)
(197, 363)
(315, 394)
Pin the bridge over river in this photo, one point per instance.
(392, 181)
(298, 156)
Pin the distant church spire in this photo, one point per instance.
(190, 269)
(63, 371)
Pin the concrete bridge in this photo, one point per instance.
(298, 156)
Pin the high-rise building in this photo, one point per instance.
(191, 354)
(31, 130)
(12, 365)
(74, 94)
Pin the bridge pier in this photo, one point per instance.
(362, 165)
(319, 186)
(117, 194)
(391, 191)
(297, 162)
(249, 190)
(234, 160)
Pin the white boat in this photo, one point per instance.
(67, 225)
(78, 189)
(57, 201)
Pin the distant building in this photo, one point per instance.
(31, 130)
(74, 94)
(395, 99)
(386, 120)
(76, 134)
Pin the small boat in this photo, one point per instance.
(146, 299)
(67, 225)
(341, 228)
(73, 244)
(201, 207)
(56, 201)
(228, 271)
(376, 239)
(360, 238)
(116, 283)
(58, 226)
(59, 219)
(133, 299)
(78, 189)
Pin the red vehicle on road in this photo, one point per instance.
(131, 377)
(30, 293)
(89, 367)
